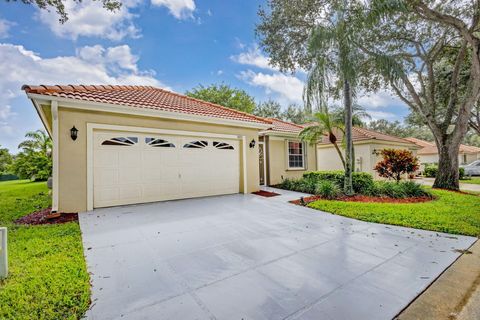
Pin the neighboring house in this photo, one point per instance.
(428, 152)
(139, 144)
(282, 154)
(367, 147)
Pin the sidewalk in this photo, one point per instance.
(455, 295)
(463, 186)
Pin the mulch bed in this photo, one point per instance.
(264, 193)
(361, 198)
(45, 216)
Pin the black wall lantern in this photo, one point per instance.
(74, 133)
(252, 143)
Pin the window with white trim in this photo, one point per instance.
(296, 155)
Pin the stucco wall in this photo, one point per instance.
(328, 158)
(433, 158)
(366, 159)
(73, 154)
(277, 160)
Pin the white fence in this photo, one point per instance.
(3, 253)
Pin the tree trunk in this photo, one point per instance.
(447, 175)
(347, 99)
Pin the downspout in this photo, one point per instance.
(55, 154)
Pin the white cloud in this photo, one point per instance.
(287, 87)
(5, 28)
(253, 57)
(88, 18)
(378, 100)
(90, 65)
(377, 115)
(180, 9)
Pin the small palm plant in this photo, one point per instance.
(324, 126)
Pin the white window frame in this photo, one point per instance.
(304, 155)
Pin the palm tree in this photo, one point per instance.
(324, 125)
(359, 115)
(336, 67)
(38, 141)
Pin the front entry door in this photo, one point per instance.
(261, 163)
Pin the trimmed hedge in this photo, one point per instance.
(8, 177)
(431, 171)
(361, 181)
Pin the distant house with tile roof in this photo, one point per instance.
(367, 147)
(428, 152)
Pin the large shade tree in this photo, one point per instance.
(224, 95)
(421, 48)
(317, 36)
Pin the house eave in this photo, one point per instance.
(39, 99)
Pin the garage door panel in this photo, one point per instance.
(129, 158)
(130, 175)
(157, 168)
(106, 194)
(106, 177)
(105, 158)
(130, 191)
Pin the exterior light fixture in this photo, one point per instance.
(74, 133)
(252, 143)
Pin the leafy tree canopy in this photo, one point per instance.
(269, 109)
(5, 160)
(34, 161)
(224, 95)
(59, 6)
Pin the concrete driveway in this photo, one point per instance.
(249, 257)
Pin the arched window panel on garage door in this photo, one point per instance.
(159, 143)
(222, 145)
(120, 141)
(196, 144)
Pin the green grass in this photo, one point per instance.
(473, 180)
(47, 272)
(451, 212)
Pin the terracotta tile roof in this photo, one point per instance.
(284, 126)
(362, 134)
(431, 148)
(145, 97)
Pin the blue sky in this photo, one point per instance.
(176, 44)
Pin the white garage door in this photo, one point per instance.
(133, 167)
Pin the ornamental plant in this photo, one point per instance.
(395, 163)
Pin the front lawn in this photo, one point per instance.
(451, 212)
(473, 180)
(47, 272)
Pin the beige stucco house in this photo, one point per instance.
(283, 154)
(428, 152)
(139, 144)
(117, 145)
(367, 147)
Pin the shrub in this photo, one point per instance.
(362, 181)
(300, 185)
(406, 189)
(431, 170)
(327, 189)
(396, 163)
